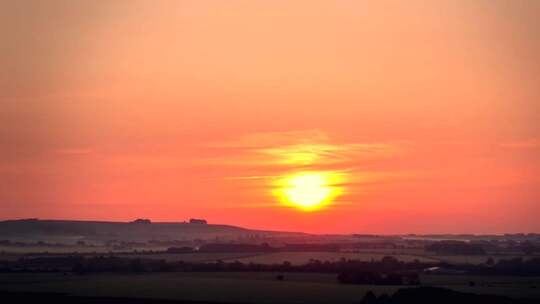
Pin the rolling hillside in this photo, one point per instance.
(128, 231)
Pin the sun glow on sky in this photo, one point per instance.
(310, 190)
(380, 116)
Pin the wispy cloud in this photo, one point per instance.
(259, 140)
(268, 155)
(326, 153)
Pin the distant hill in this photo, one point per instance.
(140, 230)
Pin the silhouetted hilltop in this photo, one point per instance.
(139, 230)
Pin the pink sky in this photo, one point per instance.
(115, 110)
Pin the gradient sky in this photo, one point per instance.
(114, 110)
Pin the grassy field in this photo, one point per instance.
(53, 249)
(298, 258)
(247, 287)
(515, 287)
(295, 258)
(194, 257)
(186, 257)
(240, 288)
(476, 259)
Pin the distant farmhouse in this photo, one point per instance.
(198, 221)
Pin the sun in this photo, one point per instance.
(309, 190)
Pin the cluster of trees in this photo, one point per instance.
(141, 221)
(239, 247)
(389, 270)
(529, 248)
(378, 278)
(456, 248)
(429, 295)
(82, 264)
(236, 248)
(311, 247)
(440, 247)
(515, 267)
(184, 249)
(8, 243)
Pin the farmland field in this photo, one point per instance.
(476, 259)
(54, 249)
(194, 257)
(299, 258)
(510, 286)
(247, 287)
(295, 258)
(239, 288)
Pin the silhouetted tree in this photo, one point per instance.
(369, 298)
(136, 265)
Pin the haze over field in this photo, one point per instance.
(316, 116)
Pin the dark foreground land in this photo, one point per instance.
(22, 297)
(403, 296)
(257, 287)
(194, 262)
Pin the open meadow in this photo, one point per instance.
(210, 287)
(248, 287)
(299, 258)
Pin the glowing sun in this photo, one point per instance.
(309, 190)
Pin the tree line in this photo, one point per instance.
(352, 271)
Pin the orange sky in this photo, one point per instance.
(114, 110)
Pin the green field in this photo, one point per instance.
(247, 287)
(476, 259)
(53, 249)
(299, 258)
(194, 257)
(239, 288)
(295, 258)
(510, 286)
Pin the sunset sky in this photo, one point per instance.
(418, 116)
